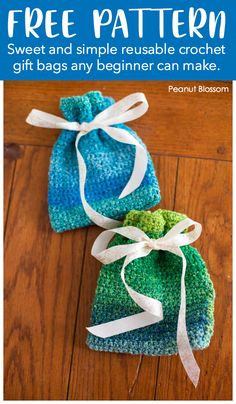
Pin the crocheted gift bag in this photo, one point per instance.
(157, 275)
(109, 166)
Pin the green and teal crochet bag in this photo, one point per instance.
(156, 275)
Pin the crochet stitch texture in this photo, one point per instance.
(157, 275)
(109, 167)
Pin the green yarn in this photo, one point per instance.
(157, 275)
(153, 222)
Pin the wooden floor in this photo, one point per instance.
(50, 278)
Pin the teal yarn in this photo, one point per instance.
(109, 167)
(158, 275)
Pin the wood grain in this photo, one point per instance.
(111, 376)
(9, 167)
(166, 170)
(204, 193)
(42, 279)
(189, 124)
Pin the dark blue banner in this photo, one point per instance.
(134, 39)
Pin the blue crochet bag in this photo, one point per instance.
(109, 166)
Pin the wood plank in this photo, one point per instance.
(111, 376)
(176, 124)
(11, 153)
(166, 171)
(42, 279)
(204, 193)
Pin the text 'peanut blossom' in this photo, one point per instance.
(152, 314)
(122, 111)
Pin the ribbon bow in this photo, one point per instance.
(120, 112)
(152, 314)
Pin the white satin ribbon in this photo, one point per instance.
(120, 112)
(143, 245)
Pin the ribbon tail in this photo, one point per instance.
(152, 307)
(187, 358)
(139, 170)
(122, 325)
(185, 351)
(140, 162)
(97, 218)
